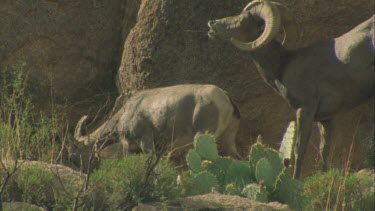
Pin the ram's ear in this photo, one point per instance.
(113, 151)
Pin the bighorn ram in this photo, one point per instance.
(173, 115)
(318, 81)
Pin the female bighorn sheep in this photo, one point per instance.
(172, 115)
(318, 81)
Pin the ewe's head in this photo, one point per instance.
(258, 24)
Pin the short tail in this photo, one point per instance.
(236, 110)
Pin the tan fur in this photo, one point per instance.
(170, 116)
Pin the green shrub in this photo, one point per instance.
(24, 134)
(35, 184)
(120, 184)
(333, 190)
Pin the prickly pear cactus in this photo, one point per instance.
(286, 148)
(194, 161)
(232, 189)
(255, 192)
(206, 147)
(239, 172)
(203, 183)
(259, 151)
(290, 191)
(266, 172)
(219, 168)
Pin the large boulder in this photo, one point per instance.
(168, 46)
(70, 49)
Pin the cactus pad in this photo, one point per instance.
(290, 191)
(259, 151)
(239, 172)
(219, 168)
(286, 148)
(194, 161)
(255, 192)
(232, 189)
(203, 183)
(206, 147)
(267, 173)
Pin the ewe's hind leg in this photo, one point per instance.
(206, 118)
(325, 128)
(227, 140)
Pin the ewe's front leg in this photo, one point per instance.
(325, 128)
(305, 118)
(147, 142)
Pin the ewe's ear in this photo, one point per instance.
(114, 151)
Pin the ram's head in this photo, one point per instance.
(258, 24)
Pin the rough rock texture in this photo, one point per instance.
(169, 45)
(21, 206)
(228, 202)
(368, 173)
(71, 49)
(215, 201)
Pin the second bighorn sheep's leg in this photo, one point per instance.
(325, 128)
(305, 118)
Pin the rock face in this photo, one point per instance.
(169, 45)
(70, 48)
(228, 202)
(216, 201)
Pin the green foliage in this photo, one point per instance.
(290, 191)
(269, 168)
(120, 184)
(265, 172)
(203, 183)
(23, 134)
(335, 190)
(236, 177)
(206, 147)
(259, 151)
(220, 171)
(26, 135)
(194, 161)
(255, 192)
(35, 184)
(232, 189)
(238, 173)
(219, 168)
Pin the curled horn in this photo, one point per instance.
(272, 18)
(289, 26)
(88, 139)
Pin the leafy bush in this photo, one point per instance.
(35, 184)
(334, 190)
(120, 184)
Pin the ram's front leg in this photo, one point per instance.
(325, 128)
(305, 118)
